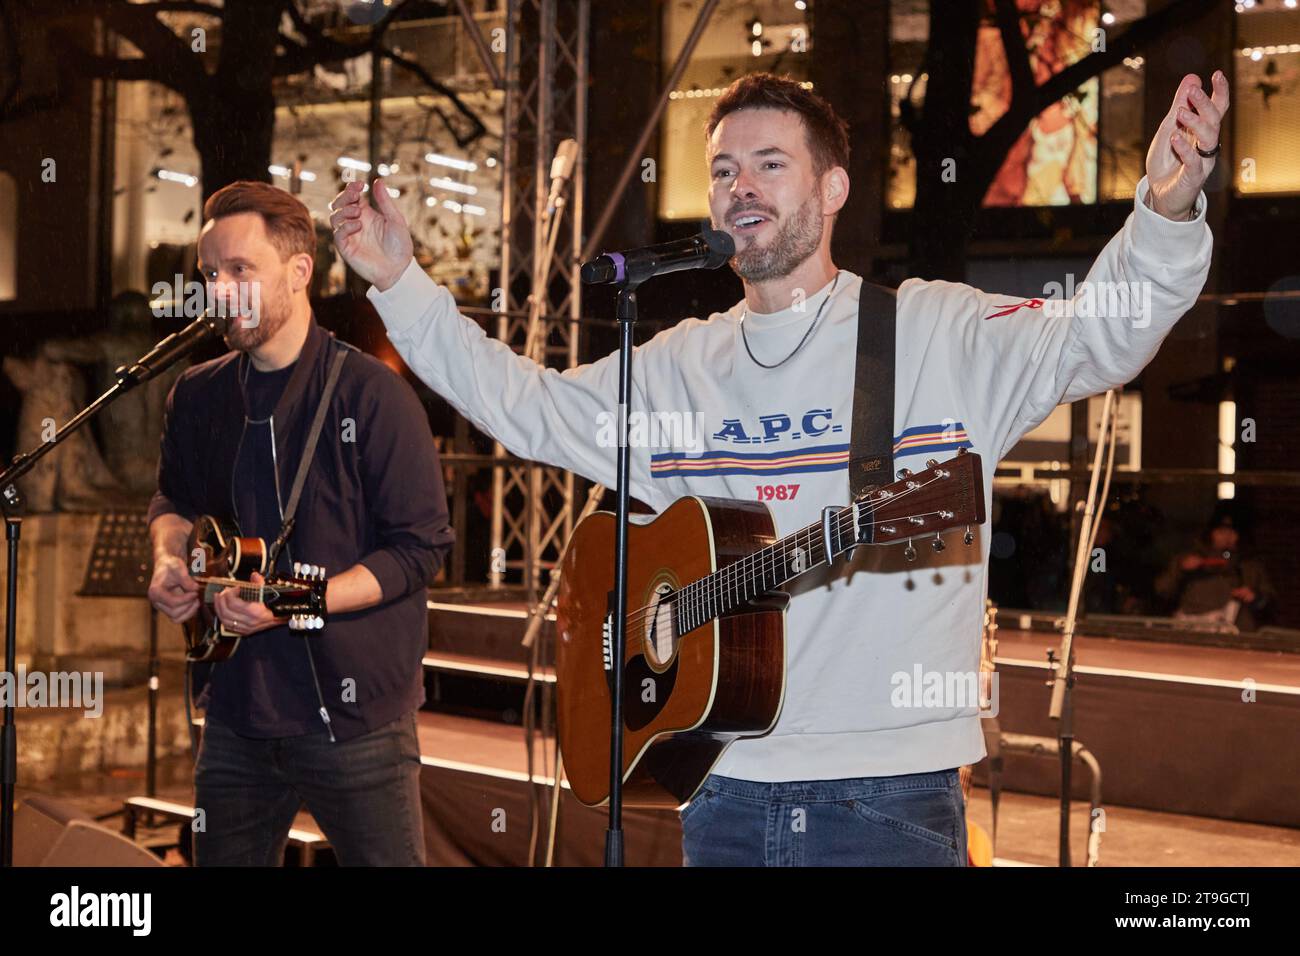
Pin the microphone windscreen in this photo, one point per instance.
(719, 242)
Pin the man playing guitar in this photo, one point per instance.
(861, 767)
(325, 716)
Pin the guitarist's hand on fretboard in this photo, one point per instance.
(243, 617)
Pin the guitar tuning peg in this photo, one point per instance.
(297, 569)
(931, 463)
(969, 536)
(320, 622)
(909, 552)
(904, 473)
(937, 543)
(322, 573)
(293, 622)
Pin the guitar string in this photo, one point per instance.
(635, 624)
(722, 583)
(725, 578)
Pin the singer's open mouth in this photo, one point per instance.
(749, 222)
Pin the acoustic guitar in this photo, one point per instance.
(221, 558)
(705, 645)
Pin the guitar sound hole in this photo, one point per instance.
(660, 635)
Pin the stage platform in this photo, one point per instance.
(1177, 729)
(1194, 773)
(1210, 731)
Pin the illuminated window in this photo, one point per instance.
(1266, 100)
(8, 238)
(740, 38)
(1088, 147)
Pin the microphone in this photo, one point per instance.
(172, 349)
(566, 157)
(710, 249)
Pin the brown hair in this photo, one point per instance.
(826, 133)
(288, 223)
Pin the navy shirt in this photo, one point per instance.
(374, 496)
(249, 690)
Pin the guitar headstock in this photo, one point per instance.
(300, 598)
(944, 496)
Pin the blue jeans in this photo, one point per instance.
(364, 793)
(910, 820)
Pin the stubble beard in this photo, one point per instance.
(793, 244)
(270, 316)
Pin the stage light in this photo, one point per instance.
(454, 186)
(171, 176)
(473, 210)
(361, 166)
(306, 175)
(451, 204)
(451, 161)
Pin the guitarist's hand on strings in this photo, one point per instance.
(172, 590)
(243, 617)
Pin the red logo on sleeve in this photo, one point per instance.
(1008, 309)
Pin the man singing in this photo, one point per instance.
(854, 772)
(323, 717)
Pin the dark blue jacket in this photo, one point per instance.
(374, 496)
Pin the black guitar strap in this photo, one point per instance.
(871, 443)
(309, 451)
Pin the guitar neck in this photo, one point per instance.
(253, 593)
(766, 569)
(932, 501)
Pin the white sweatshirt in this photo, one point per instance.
(866, 640)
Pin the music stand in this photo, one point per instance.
(119, 567)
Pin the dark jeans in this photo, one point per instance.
(910, 820)
(364, 793)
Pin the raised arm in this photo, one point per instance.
(1016, 360)
(566, 419)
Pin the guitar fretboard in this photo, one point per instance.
(764, 570)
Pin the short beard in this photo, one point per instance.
(272, 314)
(793, 243)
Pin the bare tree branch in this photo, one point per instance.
(322, 49)
(1013, 45)
(419, 71)
(1003, 133)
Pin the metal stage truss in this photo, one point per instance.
(545, 103)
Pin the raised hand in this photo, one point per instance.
(375, 242)
(1175, 170)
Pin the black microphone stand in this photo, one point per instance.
(627, 314)
(167, 353)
